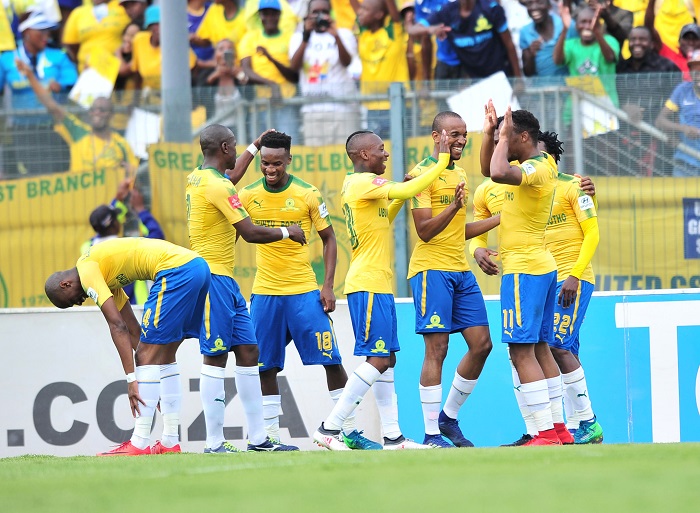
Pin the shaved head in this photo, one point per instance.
(358, 141)
(442, 117)
(211, 138)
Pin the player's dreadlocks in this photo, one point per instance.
(552, 144)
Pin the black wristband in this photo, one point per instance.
(306, 36)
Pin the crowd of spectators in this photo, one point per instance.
(336, 51)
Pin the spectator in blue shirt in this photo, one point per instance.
(537, 41)
(34, 130)
(53, 67)
(681, 114)
(478, 32)
(447, 66)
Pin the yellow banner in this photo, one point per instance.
(44, 222)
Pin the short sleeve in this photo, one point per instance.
(94, 283)
(581, 202)
(318, 210)
(498, 17)
(374, 187)
(295, 43)
(348, 39)
(674, 102)
(226, 199)
(480, 209)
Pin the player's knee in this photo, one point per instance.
(381, 364)
(482, 348)
(246, 355)
(436, 349)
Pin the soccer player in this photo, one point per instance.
(572, 237)
(528, 286)
(446, 295)
(215, 216)
(368, 284)
(171, 314)
(286, 303)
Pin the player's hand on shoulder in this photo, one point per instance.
(587, 185)
(483, 260)
(297, 234)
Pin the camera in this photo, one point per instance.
(322, 21)
(228, 58)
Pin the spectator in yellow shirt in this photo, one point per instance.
(265, 60)
(94, 29)
(147, 57)
(94, 146)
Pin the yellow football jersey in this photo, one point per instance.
(107, 267)
(216, 27)
(564, 236)
(278, 47)
(213, 207)
(91, 153)
(365, 199)
(524, 218)
(445, 251)
(284, 267)
(82, 28)
(488, 202)
(383, 56)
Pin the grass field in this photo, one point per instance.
(614, 478)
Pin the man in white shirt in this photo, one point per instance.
(323, 55)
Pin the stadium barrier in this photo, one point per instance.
(65, 393)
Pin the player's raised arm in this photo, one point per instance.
(406, 190)
(488, 140)
(245, 159)
(501, 171)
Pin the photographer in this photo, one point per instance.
(323, 54)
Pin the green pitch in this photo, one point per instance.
(614, 478)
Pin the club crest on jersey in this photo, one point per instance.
(379, 181)
(289, 205)
(234, 201)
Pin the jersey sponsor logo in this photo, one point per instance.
(528, 168)
(122, 279)
(585, 202)
(379, 181)
(234, 201)
(92, 294)
(435, 322)
(258, 203)
(323, 210)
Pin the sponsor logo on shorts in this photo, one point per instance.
(218, 345)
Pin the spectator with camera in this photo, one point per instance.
(322, 54)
